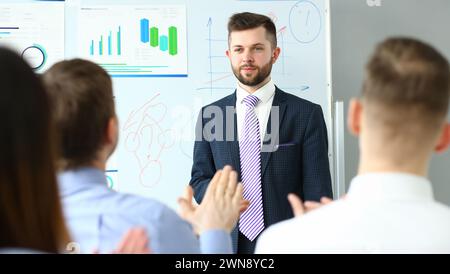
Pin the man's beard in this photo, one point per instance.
(262, 74)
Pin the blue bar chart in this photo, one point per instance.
(109, 44)
(145, 31)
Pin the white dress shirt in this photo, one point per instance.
(265, 95)
(382, 213)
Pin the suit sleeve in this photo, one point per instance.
(316, 168)
(203, 167)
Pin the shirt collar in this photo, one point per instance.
(390, 186)
(264, 93)
(71, 180)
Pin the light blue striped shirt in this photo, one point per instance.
(98, 217)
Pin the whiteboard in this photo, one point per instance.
(158, 106)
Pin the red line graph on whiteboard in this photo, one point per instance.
(146, 139)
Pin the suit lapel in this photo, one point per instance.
(278, 101)
(233, 146)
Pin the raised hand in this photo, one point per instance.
(135, 241)
(299, 208)
(220, 206)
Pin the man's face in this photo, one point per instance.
(251, 55)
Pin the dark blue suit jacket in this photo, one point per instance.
(299, 165)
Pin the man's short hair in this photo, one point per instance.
(248, 20)
(407, 84)
(83, 103)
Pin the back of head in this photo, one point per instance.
(247, 20)
(82, 102)
(406, 91)
(30, 211)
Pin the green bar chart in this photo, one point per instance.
(173, 41)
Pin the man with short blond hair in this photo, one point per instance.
(401, 118)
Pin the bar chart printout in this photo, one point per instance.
(135, 41)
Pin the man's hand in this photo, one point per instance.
(135, 241)
(220, 206)
(311, 205)
(300, 209)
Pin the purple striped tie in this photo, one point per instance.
(251, 221)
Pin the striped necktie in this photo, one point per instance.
(251, 221)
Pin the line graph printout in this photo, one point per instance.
(134, 41)
(35, 30)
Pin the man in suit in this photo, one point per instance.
(400, 119)
(281, 144)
